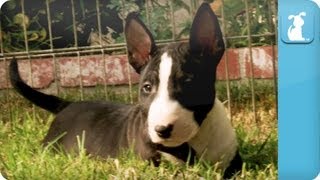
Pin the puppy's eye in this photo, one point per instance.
(187, 80)
(147, 88)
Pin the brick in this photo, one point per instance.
(233, 66)
(113, 69)
(42, 73)
(262, 62)
(118, 72)
(69, 71)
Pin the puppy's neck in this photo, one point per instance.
(216, 137)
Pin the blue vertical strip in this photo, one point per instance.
(299, 89)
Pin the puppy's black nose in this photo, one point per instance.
(164, 131)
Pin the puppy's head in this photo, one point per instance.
(177, 81)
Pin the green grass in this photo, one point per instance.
(23, 127)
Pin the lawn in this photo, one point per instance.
(23, 126)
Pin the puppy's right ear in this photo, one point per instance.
(302, 14)
(140, 42)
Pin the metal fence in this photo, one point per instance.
(248, 20)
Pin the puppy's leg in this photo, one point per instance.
(184, 152)
(234, 167)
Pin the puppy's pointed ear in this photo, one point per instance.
(206, 36)
(140, 42)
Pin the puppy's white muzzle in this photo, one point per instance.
(171, 113)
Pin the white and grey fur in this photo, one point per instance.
(177, 114)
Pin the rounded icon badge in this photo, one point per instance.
(318, 177)
(318, 3)
(297, 27)
(1, 177)
(2, 2)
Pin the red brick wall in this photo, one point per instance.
(114, 69)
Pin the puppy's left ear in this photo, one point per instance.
(140, 42)
(206, 37)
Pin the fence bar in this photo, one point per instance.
(115, 47)
(56, 77)
(226, 61)
(273, 29)
(105, 87)
(1, 41)
(128, 65)
(27, 50)
(251, 63)
(147, 14)
(64, 52)
(102, 51)
(274, 11)
(55, 67)
(75, 35)
(252, 35)
(173, 21)
(80, 76)
(24, 56)
(49, 24)
(7, 92)
(74, 25)
(24, 27)
(99, 22)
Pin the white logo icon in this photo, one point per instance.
(1, 177)
(295, 30)
(318, 177)
(317, 2)
(2, 2)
